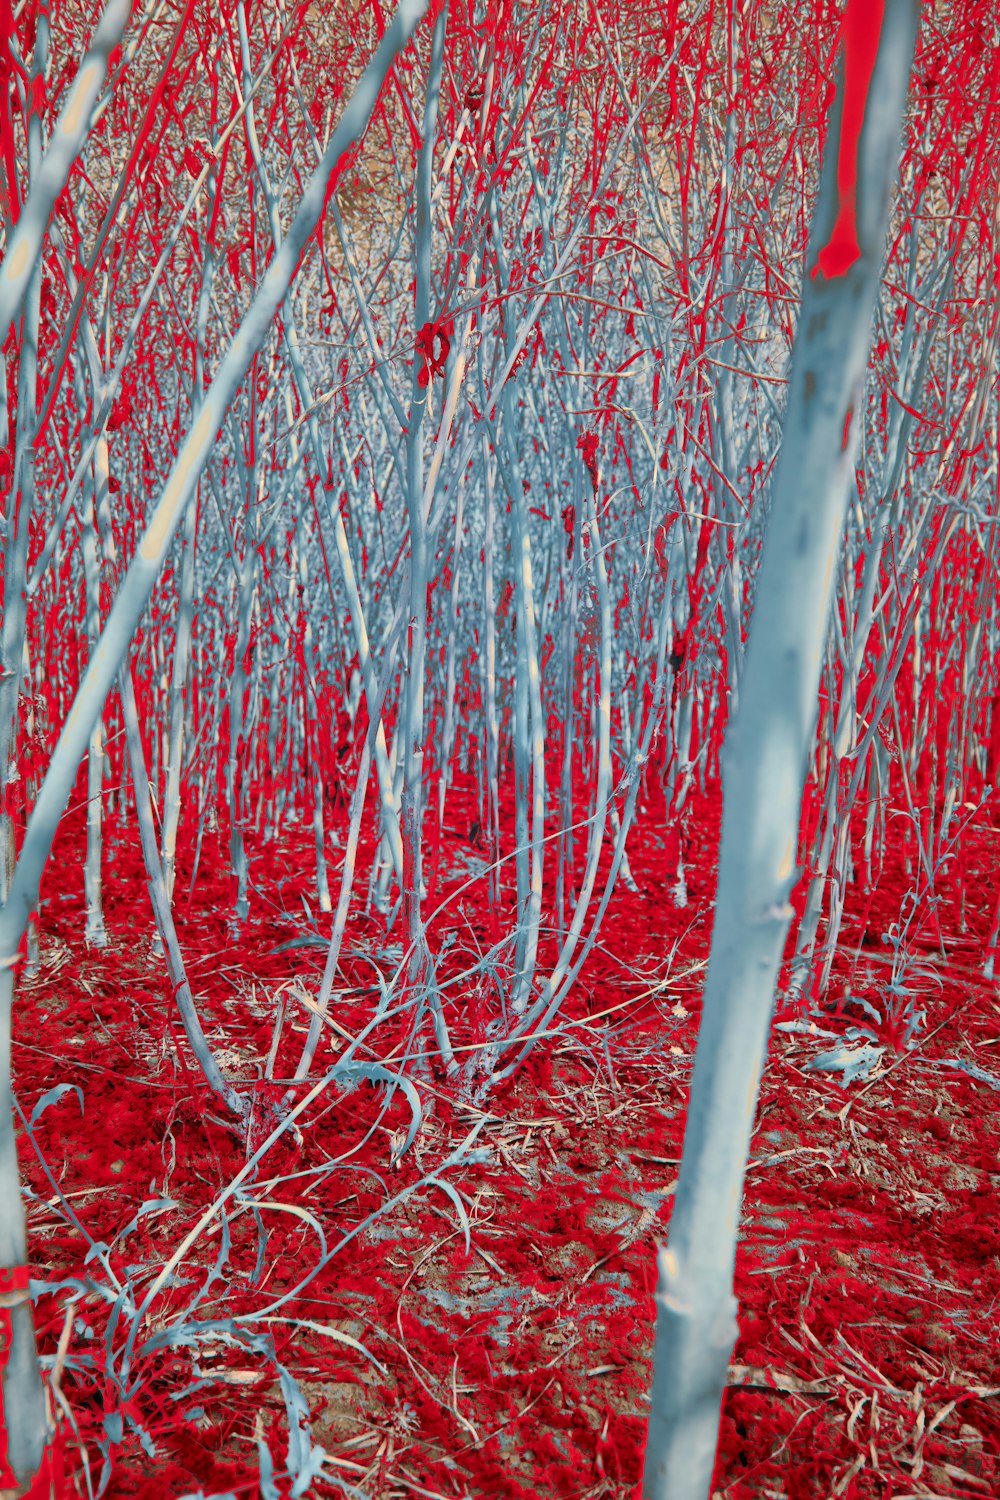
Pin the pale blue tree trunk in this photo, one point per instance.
(162, 914)
(47, 182)
(420, 968)
(764, 764)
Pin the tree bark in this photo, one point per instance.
(767, 746)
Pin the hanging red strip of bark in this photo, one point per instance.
(862, 29)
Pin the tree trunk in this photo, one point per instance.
(767, 747)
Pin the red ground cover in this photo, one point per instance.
(867, 1278)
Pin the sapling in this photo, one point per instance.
(49, 173)
(766, 752)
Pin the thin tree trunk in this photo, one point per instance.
(491, 770)
(95, 932)
(238, 716)
(50, 174)
(161, 907)
(766, 753)
(422, 984)
(185, 611)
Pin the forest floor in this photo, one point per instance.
(517, 1364)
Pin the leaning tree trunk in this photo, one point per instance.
(767, 746)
